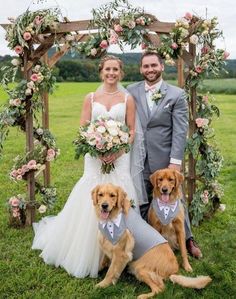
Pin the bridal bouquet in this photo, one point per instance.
(101, 137)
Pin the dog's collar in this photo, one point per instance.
(115, 221)
(163, 205)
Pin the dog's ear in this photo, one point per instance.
(121, 198)
(94, 193)
(153, 178)
(179, 178)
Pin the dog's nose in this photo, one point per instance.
(164, 189)
(105, 206)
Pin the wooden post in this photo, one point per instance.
(45, 124)
(180, 70)
(192, 129)
(30, 209)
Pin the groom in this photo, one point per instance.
(163, 112)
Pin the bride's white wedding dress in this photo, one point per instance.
(70, 239)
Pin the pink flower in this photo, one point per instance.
(201, 122)
(14, 173)
(131, 24)
(198, 69)
(51, 152)
(32, 164)
(19, 177)
(27, 36)
(14, 202)
(18, 49)
(118, 28)
(205, 50)
(19, 171)
(226, 54)
(188, 16)
(174, 46)
(38, 20)
(143, 46)
(104, 44)
(140, 21)
(34, 77)
(113, 38)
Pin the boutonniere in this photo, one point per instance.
(156, 96)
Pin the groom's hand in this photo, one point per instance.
(175, 166)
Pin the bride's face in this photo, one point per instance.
(111, 72)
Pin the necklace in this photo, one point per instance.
(111, 93)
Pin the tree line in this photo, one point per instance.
(74, 68)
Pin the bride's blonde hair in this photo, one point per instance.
(111, 57)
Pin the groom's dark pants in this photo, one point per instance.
(149, 189)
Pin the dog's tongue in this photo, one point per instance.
(104, 215)
(165, 197)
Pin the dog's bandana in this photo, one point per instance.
(164, 211)
(144, 235)
(113, 230)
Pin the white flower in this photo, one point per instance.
(101, 129)
(70, 37)
(113, 131)
(222, 207)
(28, 91)
(37, 68)
(93, 51)
(111, 124)
(39, 131)
(92, 141)
(42, 209)
(15, 62)
(194, 39)
(30, 84)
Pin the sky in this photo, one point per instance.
(165, 11)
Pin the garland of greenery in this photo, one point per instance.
(118, 22)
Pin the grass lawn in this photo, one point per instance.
(24, 275)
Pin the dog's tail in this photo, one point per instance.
(198, 282)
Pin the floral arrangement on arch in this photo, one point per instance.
(21, 34)
(118, 22)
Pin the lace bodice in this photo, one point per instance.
(117, 111)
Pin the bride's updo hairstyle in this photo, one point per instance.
(111, 57)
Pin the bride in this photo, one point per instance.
(69, 239)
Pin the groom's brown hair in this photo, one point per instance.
(151, 53)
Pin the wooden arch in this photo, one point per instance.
(45, 41)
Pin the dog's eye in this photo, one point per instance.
(100, 194)
(112, 195)
(171, 180)
(160, 179)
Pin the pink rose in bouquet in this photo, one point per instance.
(102, 137)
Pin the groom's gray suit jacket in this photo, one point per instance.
(165, 128)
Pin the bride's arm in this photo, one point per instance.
(130, 117)
(86, 111)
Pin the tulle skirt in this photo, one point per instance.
(69, 240)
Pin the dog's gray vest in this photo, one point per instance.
(161, 213)
(144, 235)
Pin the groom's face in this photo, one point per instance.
(151, 68)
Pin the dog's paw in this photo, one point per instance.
(103, 284)
(187, 267)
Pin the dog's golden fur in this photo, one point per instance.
(153, 267)
(120, 253)
(170, 180)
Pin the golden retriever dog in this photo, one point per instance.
(154, 266)
(109, 201)
(166, 191)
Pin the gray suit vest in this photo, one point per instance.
(145, 236)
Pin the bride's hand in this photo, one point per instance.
(112, 157)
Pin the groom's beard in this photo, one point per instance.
(155, 78)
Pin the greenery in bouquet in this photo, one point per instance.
(118, 22)
(101, 137)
